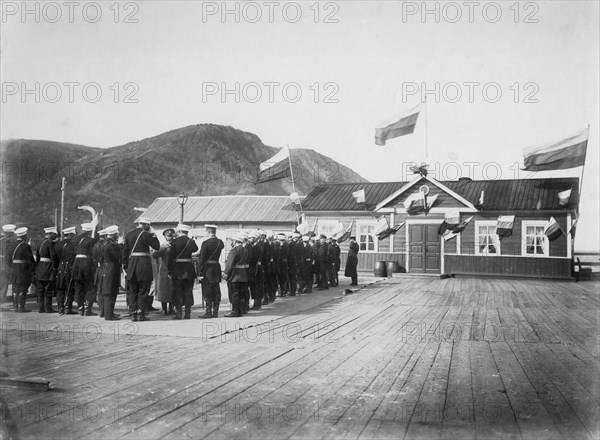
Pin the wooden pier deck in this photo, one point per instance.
(459, 358)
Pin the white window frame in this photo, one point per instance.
(360, 225)
(546, 244)
(329, 225)
(495, 240)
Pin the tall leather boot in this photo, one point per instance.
(15, 301)
(215, 309)
(22, 299)
(142, 313)
(187, 313)
(100, 301)
(209, 313)
(109, 308)
(88, 309)
(177, 312)
(48, 305)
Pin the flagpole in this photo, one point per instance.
(293, 185)
(426, 130)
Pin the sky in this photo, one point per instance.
(497, 77)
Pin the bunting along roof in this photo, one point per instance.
(500, 195)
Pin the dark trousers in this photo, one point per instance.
(45, 291)
(259, 288)
(3, 284)
(211, 292)
(293, 276)
(183, 293)
(108, 305)
(324, 276)
(237, 292)
(317, 272)
(283, 281)
(20, 294)
(85, 290)
(65, 296)
(308, 276)
(333, 273)
(137, 294)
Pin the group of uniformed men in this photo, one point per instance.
(87, 267)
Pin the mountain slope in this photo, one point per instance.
(202, 159)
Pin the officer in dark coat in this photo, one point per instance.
(209, 271)
(8, 238)
(274, 268)
(138, 265)
(22, 269)
(316, 263)
(47, 264)
(83, 269)
(182, 272)
(352, 262)
(65, 290)
(109, 274)
(283, 265)
(334, 252)
(259, 271)
(97, 257)
(324, 263)
(236, 274)
(307, 265)
(293, 262)
(266, 266)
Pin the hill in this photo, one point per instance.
(198, 160)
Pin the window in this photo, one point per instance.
(534, 241)
(367, 241)
(327, 227)
(486, 240)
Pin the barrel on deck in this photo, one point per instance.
(380, 269)
(392, 268)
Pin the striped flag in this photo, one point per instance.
(390, 231)
(505, 225)
(382, 225)
(567, 153)
(563, 197)
(451, 221)
(457, 230)
(347, 233)
(573, 228)
(415, 203)
(303, 227)
(398, 126)
(553, 229)
(275, 168)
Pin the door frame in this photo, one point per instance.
(411, 222)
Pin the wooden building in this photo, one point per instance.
(419, 248)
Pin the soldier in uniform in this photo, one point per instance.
(22, 269)
(8, 238)
(236, 274)
(209, 271)
(266, 266)
(96, 258)
(182, 272)
(136, 262)
(352, 262)
(83, 270)
(65, 251)
(293, 263)
(274, 268)
(109, 274)
(47, 264)
(334, 252)
(324, 263)
(317, 262)
(307, 265)
(258, 270)
(283, 265)
(163, 285)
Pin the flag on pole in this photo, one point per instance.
(430, 201)
(505, 225)
(457, 230)
(553, 229)
(390, 231)
(573, 228)
(303, 227)
(359, 196)
(399, 126)
(313, 231)
(561, 155)
(338, 231)
(275, 168)
(563, 197)
(295, 198)
(451, 221)
(347, 233)
(382, 225)
(415, 203)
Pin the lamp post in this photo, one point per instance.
(182, 200)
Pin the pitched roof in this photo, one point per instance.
(499, 195)
(224, 209)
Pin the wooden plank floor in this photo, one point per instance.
(401, 358)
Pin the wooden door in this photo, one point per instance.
(424, 249)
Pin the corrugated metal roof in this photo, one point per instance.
(224, 209)
(499, 195)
